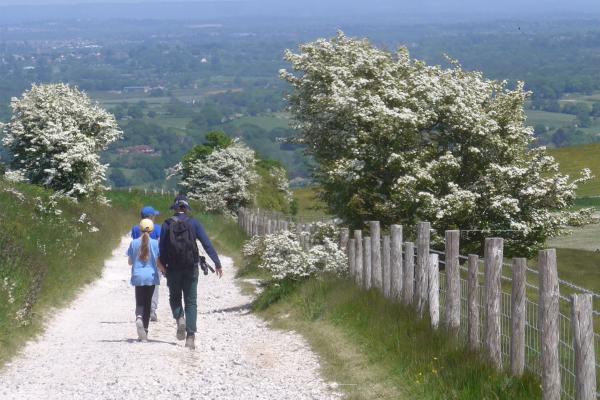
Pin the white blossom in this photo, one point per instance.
(399, 141)
(56, 134)
(221, 181)
(281, 254)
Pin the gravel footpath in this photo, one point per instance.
(90, 350)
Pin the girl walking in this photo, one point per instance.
(143, 257)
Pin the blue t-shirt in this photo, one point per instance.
(136, 232)
(144, 273)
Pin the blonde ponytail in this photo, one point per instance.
(145, 250)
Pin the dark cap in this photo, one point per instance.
(181, 201)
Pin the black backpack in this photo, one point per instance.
(182, 250)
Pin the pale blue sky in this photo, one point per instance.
(405, 8)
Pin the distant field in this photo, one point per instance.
(591, 98)
(267, 122)
(109, 99)
(584, 238)
(574, 159)
(170, 122)
(309, 206)
(578, 257)
(551, 119)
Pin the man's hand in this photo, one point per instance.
(219, 272)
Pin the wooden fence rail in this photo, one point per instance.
(410, 274)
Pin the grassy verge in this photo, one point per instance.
(48, 253)
(377, 349)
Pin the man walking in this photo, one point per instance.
(179, 253)
(148, 212)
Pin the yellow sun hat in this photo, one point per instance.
(147, 225)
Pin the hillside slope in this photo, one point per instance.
(574, 159)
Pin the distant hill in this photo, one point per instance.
(574, 159)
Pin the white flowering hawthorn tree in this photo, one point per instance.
(219, 177)
(56, 134)
(282, 183)
(281, 254)
(399, 141)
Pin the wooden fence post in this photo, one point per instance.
(359, 257)
(386, 267)
(434, 290)
(344, 235)
(421, 274)
(396, 262)
(473, 302)
(269, 226)
(583, 343)
(517, 316)
(255, 225)
(452, 283)
(351, 258)
(549, 313)
(376, 270)
(408, 273)
(367, 262)
(494, 253)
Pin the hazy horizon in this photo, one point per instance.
(424, 10)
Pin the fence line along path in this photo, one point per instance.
(515, 315)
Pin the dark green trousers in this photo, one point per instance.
(184, 282)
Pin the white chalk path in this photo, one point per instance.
(90, 351)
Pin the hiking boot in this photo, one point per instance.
(180, 328)
(189, 342)
(153, 316)
(142, 334)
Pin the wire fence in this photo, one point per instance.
(532, 329)
(538, 348)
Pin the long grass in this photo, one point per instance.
(45, 258)
(379, 349)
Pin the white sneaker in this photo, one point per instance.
(153, 316)
(139, 324)
(180, 328)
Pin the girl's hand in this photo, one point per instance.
(161, 267)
